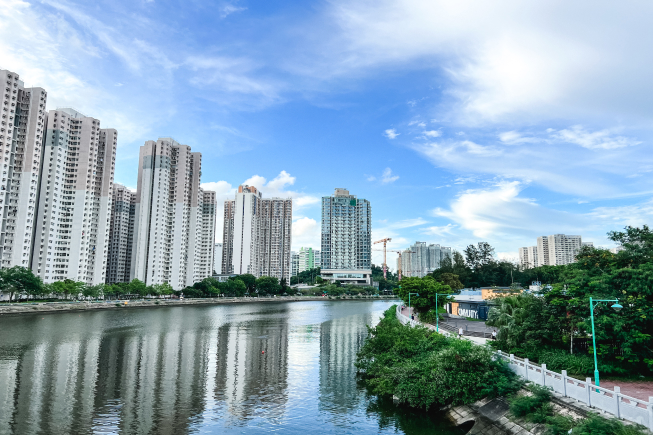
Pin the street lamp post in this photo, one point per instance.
(437, 311)
(594, 303)
(416, 294)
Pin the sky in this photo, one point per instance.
(460, 121)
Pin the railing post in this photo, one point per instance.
(564, 383)
(650, 412)
(512, 358)
(617, 391)
(526, 368)
(588, 391)
(543, 375)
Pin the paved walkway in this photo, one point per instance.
(642, 390)
(477, 340)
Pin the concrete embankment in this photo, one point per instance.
(58, 307)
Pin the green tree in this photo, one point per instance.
(249, 280)
(93, 291)
(426, 288)
(268, 285)
(67, 287)
(234, 287)
(19, 280)
(137, 287)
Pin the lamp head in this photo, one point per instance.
(617, 307)
(417, 294)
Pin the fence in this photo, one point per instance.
(603, 399)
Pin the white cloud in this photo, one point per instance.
(388, 177)
(439, 231)
(514, 138)
(602, 139)
(503, 61)
(500, 211)
(305, 233)
(432, 133)
(229, 9)
(391, 133)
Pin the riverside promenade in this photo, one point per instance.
(23, 308)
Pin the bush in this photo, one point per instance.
(536, 407)
(424, 369)
(597, 425)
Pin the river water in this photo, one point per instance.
(249, 368)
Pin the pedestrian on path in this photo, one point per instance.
(494, 334)
(460, 332)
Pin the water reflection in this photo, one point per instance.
(247, 368)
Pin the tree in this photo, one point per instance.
(93, 291)
(234, 287)
(249, 280)
(67, 287)
(475, 257)
(137, 287)
(426, 288)
(449, 279)
(19, 280)
(268, 285)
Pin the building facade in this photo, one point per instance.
(72, 225)
(22, 132)
(346, 238)
(554, 250)
(294, 263)
(217, 259)
(121, 234)
(422, 259)
(173, 232)
(257, 235)
(528, 257)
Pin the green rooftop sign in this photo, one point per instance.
(352, 202)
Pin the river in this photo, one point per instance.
(247, 368)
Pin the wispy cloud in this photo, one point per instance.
(603, 139)
(388, 176)
(391, 133)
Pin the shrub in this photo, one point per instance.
(597, 425)
(424, 368)
(536, 407)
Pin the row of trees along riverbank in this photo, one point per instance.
(553, 325)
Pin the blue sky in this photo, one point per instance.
(460, 121)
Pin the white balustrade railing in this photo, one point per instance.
(610, 401)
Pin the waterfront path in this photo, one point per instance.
(639, 389)
(19, 308)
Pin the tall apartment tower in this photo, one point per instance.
(257, 235)
(528, 257)
(543, 251)
(121, 234)
(424, 259)
(346, 238)
(22, 131)
(294, 263)
(72, 227)
(169, 245)
(217, 258)
(205, 251)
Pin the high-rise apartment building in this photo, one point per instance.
(528, 257)
(72, 226)
(217, 258)
(317, 258)
(257, 235)
(121, 234)
(346, 238)
(22, 131)
(307, 259)
(555, 250)
(294, 263)
(423, 259)
(173, 231)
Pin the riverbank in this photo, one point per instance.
(21, 308)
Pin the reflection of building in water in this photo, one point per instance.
(340, 339)
(252, 368)
(129, 382)
(156, 376)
